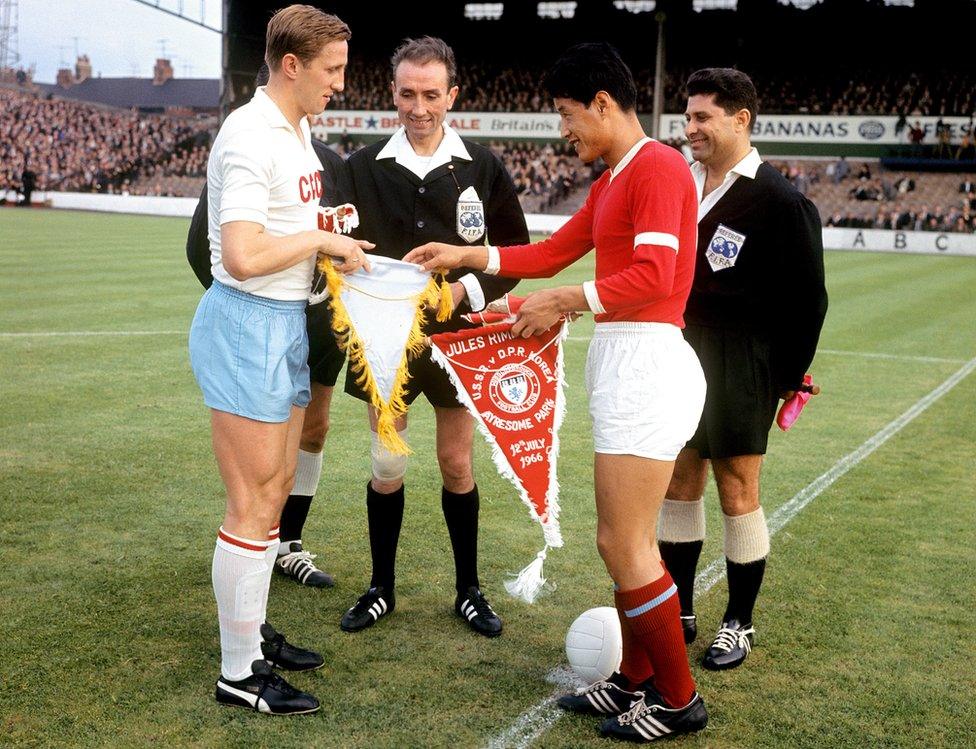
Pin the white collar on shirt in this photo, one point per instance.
(275, 117)
(399, 148)
(746, 167)
(628, 157)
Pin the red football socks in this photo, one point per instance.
(635, 665)
(653, 613)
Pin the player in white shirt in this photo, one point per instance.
(248, 343)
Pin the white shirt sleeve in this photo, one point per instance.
(593, 298)
(246, 168)
(476, 295)
(494, 261)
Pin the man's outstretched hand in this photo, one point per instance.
(440, 256)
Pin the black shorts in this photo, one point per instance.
(325, 359)
(425, 377)
(740, 400)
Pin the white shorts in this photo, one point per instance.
(646, 389)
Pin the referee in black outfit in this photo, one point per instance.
(754, 317)
(325, 361)
(426, 184)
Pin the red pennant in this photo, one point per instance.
(500, 310)
(513, 387)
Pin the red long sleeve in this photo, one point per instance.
(546, 258)
(643, 221)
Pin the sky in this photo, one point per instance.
(121, 37)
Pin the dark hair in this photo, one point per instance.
(424, 50)
(733, 90)
(585, 69)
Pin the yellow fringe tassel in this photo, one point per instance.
(432, 297)
(445, 304)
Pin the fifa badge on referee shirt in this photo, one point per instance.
(724, 248)
(470, 216)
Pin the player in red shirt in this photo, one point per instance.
(645, 385)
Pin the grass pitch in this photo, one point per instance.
(111, 499)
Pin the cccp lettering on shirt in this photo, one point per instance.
(310, 187)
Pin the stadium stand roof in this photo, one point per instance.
(142, 93)
(743, 28)
(797, 38)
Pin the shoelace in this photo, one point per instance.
(606, 685)
(295, 558)
(275, 681)
(638, 711)
(727, 638)
(276, 644)
(593, 688)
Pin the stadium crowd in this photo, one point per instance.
(864, 196)
(486, 87)
(77, 146)
(545, 174)
(869, 93)
(71, 145)
(959, 218)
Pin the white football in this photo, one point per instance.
(594, 645)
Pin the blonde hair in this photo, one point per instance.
(301, 30)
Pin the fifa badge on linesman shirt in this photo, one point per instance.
(470, 216)
(724, 248)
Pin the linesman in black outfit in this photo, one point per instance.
(754, 317)
(426, 184)
(325, 361)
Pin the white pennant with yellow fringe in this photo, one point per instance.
(378, 320)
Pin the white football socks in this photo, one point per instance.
(746, 537)
(241, 574)
(307, 473)
(681, 522)
(269, 559)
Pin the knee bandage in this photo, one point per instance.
(746, 537)
(681, 522)
(387, 466)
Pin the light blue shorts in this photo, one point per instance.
(250, 354)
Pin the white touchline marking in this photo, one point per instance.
(539, 718)
(837, 352)
(786, 512)
(905, 357)
(83, 333)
